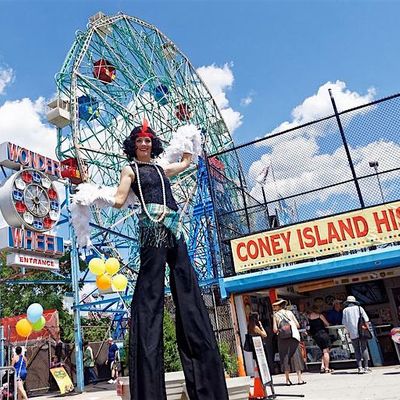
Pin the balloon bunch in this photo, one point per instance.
(106, 274)
(34, 321)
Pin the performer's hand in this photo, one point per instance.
(187, 157)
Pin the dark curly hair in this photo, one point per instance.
(130, 146)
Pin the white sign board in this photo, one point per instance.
(261, 360)
(32, 261)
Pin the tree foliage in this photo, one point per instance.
(172, 361)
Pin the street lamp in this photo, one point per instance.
(375, 165)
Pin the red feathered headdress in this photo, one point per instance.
(143, 132)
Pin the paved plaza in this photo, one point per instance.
(381, 384)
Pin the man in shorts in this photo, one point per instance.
(112, 360)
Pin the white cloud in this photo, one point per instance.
(319, 105)
(219, 80)
(21, 122)
(6, 77)
(246, 101)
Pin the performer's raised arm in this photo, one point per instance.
(126, 180)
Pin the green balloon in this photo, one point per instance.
(39, 324)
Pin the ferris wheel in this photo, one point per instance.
(118, 72)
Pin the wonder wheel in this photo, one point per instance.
(118, 72)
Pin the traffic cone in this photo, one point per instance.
(258, 391)
(241, 371)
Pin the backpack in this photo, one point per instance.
(284, 328)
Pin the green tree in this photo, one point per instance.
(172, 361)
(229, 359)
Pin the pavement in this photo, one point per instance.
(383, 383)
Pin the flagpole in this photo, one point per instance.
(276, 187)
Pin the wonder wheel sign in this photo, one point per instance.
(28, 198)
(30, 205)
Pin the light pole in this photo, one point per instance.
(375, 165)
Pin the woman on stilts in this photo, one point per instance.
(161, 243)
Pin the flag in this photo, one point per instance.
(262, 178)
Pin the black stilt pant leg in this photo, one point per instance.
(146, 356)
(204, 373)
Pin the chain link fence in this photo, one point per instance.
(220, 316)
(346, 161)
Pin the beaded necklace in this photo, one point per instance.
(136, 162)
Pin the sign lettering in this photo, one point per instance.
(13, 156)
(330, 235)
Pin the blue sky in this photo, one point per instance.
(279, 52)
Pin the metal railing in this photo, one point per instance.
(343, 162)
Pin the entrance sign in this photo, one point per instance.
(354, 230)
(32, 261)
(261, 360)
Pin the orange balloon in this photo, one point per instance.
(23, 327)
(103, 282)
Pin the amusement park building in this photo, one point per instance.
(314, 226)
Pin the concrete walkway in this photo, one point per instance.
(381, 384)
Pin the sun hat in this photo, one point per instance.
(279, 302)
(351, 299)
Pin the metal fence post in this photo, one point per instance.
(75, 287)
(244, 202)
(2, 342)
(346, 147)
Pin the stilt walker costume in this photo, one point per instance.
(161, 242)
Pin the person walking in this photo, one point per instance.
(255, 328)
(318, 324)
(19, 363)
(286, 326)
(161, 242)
(112, 360)
(88, 364)
(351, 317)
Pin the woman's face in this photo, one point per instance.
(143, 148)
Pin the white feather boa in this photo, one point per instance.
(92, 195)
(186, 139)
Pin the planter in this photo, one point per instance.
(173, 384)
(238, 388)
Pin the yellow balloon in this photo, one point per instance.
(112, 265)
(119, 282)
(23, 327)
(103, 282)
(97, 266)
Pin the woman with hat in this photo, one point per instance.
(290, 356)
(351, 316)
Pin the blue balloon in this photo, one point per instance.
(34, 312)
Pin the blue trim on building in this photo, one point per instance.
(323, 269)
